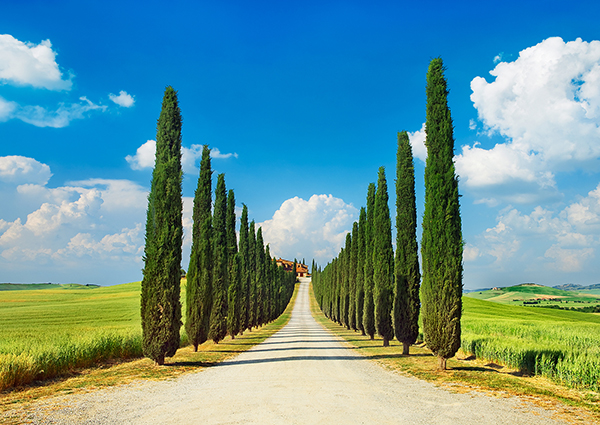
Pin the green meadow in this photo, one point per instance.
(46, 332)
(558, 344)
(540, 296)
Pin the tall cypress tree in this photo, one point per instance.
(407, 274)
(360, 275)
(233, 312)
(218, 317)
(369, 306)
(199, 286)
(252, 266)
(260, 278)
(232, 247)
(353, 257)
(442, 245)
(234, 291)
(383, 262)
(345, 259)
(160, 304)
(245, 282)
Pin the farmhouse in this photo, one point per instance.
(301, 269)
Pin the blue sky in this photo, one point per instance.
(301, 103)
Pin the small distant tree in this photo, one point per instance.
(408, 276)
(383, 262)
(160, 305)
(442, 245)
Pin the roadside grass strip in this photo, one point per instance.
(467, 372)
(102, 369)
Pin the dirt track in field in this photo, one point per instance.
(301, 375)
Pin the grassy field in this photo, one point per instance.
(48, 332)
(467, 372)
(561, 345)
(540, 296)
(58, 331)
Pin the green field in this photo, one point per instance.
(46, 332)
(540, 296)
(562, 345)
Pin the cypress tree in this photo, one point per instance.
(345, 259)
(352, 276)
(232, 247)
(260, 278)
(233, 312)
(234, 291)
(160, 304)
(383, 262)
(360, 275)
(199, 286)
(442, 245)
(245, 282)
(408, 276)
(252, 275)
(369, 307)
(218, 317)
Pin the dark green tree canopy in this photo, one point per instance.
(407, 273)
(160, 305)
(442, 244)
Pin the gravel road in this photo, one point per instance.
(301, 375)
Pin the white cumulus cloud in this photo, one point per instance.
(417, 143)
(123, 99)
(546, 104)
(315, 228)
(145, 156)
(565, 240)
(29, 64)
(86, 231)
(22, 170)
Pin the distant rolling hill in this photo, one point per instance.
(30, 286)
(576, 287)
(532, 294)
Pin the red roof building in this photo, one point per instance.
(301, 269)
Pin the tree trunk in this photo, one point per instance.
(442, 363)
(405, 348)
(372, 337)
(363, 333)
(195, 348)
(160, 361)
(232, 336)
(386, 342)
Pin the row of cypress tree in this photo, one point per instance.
(228, 290)
(369, 289)
(365, 288)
